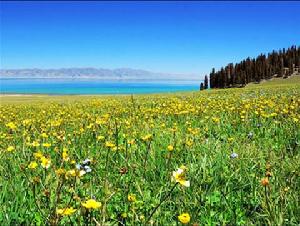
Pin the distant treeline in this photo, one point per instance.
(280, 63)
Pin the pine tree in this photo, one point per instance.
(280, 63)
(201, 86)
(205, 82)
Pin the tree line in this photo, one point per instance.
(282, 63)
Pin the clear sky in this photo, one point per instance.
(180, 37)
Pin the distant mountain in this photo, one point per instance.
(91, 73)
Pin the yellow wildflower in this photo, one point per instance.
(45, 162)
(89, 126)
(74, 173)
(230, 139)
(46, 145)
(10, 148)
(65, 155)
(170, 148)
(60, 171)
(71, 173)
(189, 142)
(32, 165)
(66, 211)
(215, 119)
(44, 135)
(35, 144)
(91, 204)
(184, 218)
(100, 137)
(147, 137)
(274, 114)
(11, 125)
(109, 144)
(131, 198)
(38, 155)
(131, 142)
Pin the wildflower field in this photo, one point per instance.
(221, 157)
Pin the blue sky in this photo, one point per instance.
(177, 37)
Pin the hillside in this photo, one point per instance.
(274, 82)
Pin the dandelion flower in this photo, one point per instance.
(35, 144)
(91, 204)
(45, 162)
(72, 173)
(189, 142)
(170, 148)
(10, 148)
(66, 211)
(147, 137)
(109, 144)
(44, 135)
(11, 125)
(46, 145)
(131, 198)
(38, 155)
(100, 137)
(184, 218)
(60, 171)
(32, 165)
(65, 156)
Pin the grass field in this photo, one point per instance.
(221, 157)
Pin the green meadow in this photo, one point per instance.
(215, 157)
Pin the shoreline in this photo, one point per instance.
(94, 94)
(17, 94)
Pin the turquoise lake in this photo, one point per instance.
(84, 86)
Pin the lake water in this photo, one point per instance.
(82, 86)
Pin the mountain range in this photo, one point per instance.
(92, 73)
